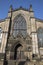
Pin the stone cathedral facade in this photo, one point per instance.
(21, 38)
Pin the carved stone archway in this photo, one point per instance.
(17, 51)
(18, 47)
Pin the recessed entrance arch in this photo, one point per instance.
(17, 50)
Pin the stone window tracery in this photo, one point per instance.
(20, 26)
(40, 37)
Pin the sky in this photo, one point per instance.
(36, 4)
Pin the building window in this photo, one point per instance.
(40, 37)
(19, 26)
(0, 36)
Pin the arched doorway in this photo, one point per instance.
(17, 51)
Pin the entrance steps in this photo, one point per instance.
(23, 62)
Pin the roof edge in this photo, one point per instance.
(21, 8)
(2, 20)
(40, 20)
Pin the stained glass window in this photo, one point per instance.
(40, 37)
(19, 26)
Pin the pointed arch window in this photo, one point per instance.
(40, 37)
(19, 26)
(0, 36)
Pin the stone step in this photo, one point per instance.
(18, 62)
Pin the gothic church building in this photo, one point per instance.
(21, 38)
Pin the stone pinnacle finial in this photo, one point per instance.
(30, 9)
(30, 6)
(11, 8)
(20, 7)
